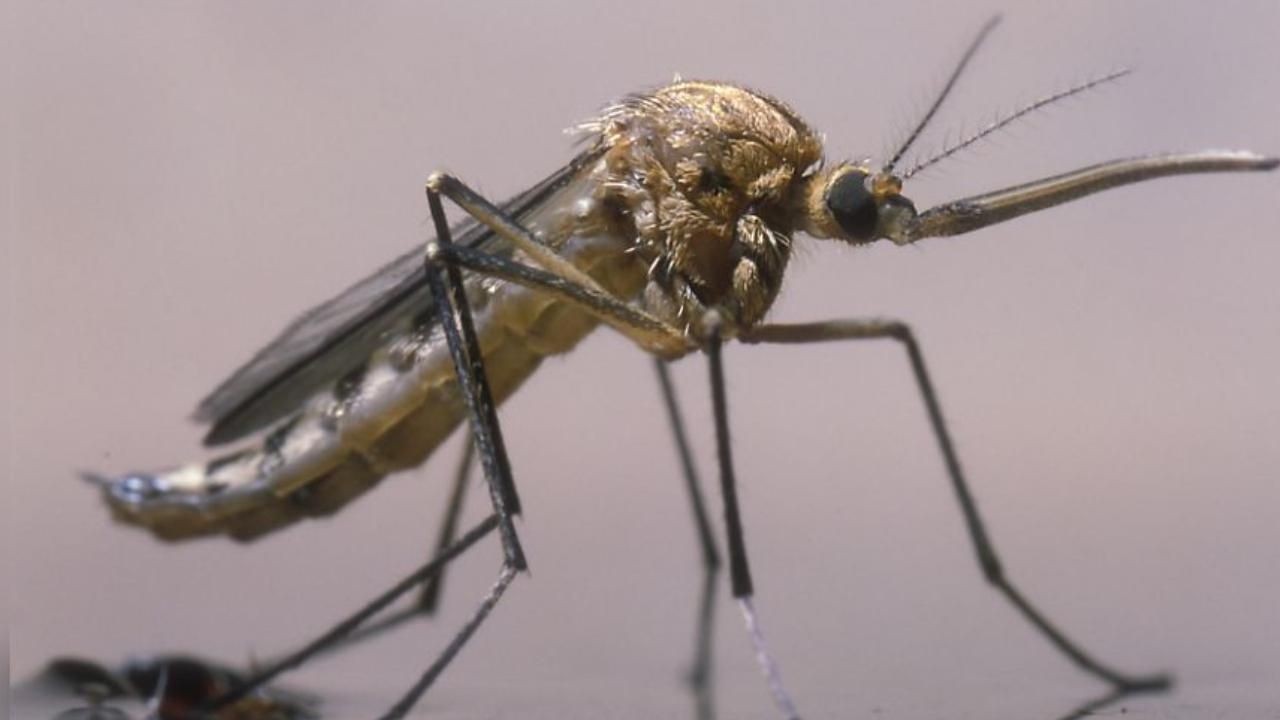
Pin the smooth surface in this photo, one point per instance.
(189, 177)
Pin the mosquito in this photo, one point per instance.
(673, 225)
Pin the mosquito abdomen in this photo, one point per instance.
(389, 415)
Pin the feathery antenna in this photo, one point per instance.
(946, 90)
(1006, 120)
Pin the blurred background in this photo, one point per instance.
(189, 177)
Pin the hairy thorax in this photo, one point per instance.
(704, 177)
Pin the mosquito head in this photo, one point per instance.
(857, 204)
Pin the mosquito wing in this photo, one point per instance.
(337, 336)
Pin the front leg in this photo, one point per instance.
(987, 558)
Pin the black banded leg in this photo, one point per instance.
(984, 549)
(700, 672)
(739, 571)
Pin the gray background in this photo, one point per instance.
(190, 176)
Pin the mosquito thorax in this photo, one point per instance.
(705, 174)
(856, 203)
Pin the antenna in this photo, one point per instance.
(946, 90)
(1006, 120)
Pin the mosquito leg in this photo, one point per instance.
(552, 272)
(406, 703)
(988, 560)
(445, 281)
(430, 597)
(427, 599)
(442, 262)
(739, 572)
(342, 630)
(706, 537)
(700, 672)
(442, 265)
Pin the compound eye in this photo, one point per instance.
(852, 205)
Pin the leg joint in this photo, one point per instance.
(439, 181)
(900, 331)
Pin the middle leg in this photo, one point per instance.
(700, 672)
(739, 569)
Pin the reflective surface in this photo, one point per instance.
(190, 180)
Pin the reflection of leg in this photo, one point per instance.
(739, 572)
(1094, 707)
(700, 671)
(985, 550)
(700, 675)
